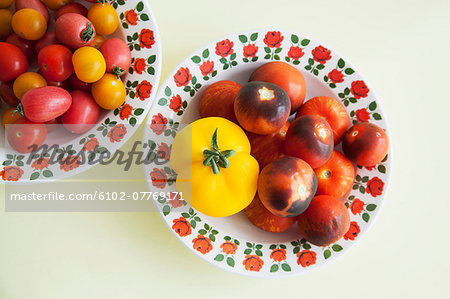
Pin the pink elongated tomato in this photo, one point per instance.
(33, 4)
(74, 30)
(82, 114)
(45, 103)
(117, 56)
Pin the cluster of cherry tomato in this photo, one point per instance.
(78, 70)
(303, 178)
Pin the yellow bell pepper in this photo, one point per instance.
(216, 173)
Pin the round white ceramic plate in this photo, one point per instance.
(139, 30)
(233, 243)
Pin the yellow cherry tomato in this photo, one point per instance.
(104, 17)
(55, 4)
(29, 24)
(216, 173)
(5, 23)
(9, 116)
(5, 3)
(109, 92)
(89, 64)
(98, 41)
(27, 81)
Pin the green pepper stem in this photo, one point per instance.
(215, 158)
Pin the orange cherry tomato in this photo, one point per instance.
(27, 81)
(29, 24)
(55, 4)
(9, 117)
(89, 64)
(98, 41)
(104, 17)
(5, 3)
(5, 23)
(109, 92)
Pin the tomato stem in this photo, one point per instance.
(215, 158)
(88, 33)
(118, 71)
(19, 110)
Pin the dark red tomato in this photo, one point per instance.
(63, 84)
(268, 148)
(366, 144)
(310, 138)
(77, 84)
(48, 39)
(286, 186)
(325, 221)
(55, 63)
(262, 218)
(53, 124)
(332, 111)
(82, 114)
(285, 76)
(12, 62)
(261, 107)
(74, 7)
(25, 136)
(33, 4)
(27, 46)
(74, 30)
(335, 178)
(45, 103)
(218, 100)
(7, 94)
(117, 56)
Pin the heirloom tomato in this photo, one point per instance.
(29, 24)
(12, 62)
(88, 63)
(104, 17)
(109, 92)
(26, 82)
(25, 136)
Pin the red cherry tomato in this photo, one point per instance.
(117, 56)
(72, 7)
(53, 124)
(366, 144)
(310, 138)
(74, 30)
(55, 63)
(7, 94)
(218, 100)
(285, 76)
(25, 136)
(82, 114)
(63, 84)
(55, 100)
(27, 46)
(77, 84)
(48, 39)
(335, 177)
(12, 62)
(332, 111)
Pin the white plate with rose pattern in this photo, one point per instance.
(233, 243)
(139, 30)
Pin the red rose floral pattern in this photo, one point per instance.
(273, 39)
(207, 67)
(40, 163)
(117, 133)
(224, 48)
(131, 17)
(362, 115)
(375, 186)
(11, 173)
(176, 103)
(70, 163)
(353, 231)
(250, 50)
(306, 258)
(139, 65)
(159, 178)
(163, 151)
(125, 111)
(336, 76)
(253, 262)
(182, 77)
(90, 144)
(146, 38)
(357, 206)
(143, 90)
(278, 255)
(321, 54)
(295, 53)
(158, 124)
(182, 227)
(359, 89)
(202, 244)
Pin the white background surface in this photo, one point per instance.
(401, 47)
